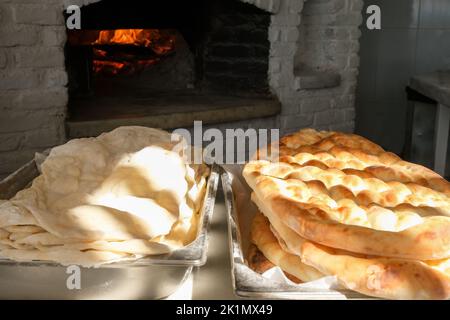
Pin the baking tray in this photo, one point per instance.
(152, 277)
(250, 284)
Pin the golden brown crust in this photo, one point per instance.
(375, 276)
(349, 208)
(267, 243)
(374, 230)
(341, 151)
(259, 263)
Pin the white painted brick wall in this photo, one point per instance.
(33, 94)
(334, 27)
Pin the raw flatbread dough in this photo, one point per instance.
(119, 196)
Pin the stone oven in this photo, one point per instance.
(168, 62)
(282, 64)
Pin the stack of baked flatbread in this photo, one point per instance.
(337, 204)
(123, 195)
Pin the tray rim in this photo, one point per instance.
(250, 284)
(192, 255)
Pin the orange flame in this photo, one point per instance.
(138, 37)
(158, 41)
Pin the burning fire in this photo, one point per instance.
(126, 51)
(136, 37)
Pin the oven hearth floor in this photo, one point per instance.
(90, 117)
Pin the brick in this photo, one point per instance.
(2, 15)
(276, 81)
(290, 35)
(13, 160)
(239, 67)
(347, 127)
(344, 102)
(354, 46)
(38, 14)
(353, 61)
(349, 114)
(318, 20)
(324, 117)
(349, 74)
(228, 51)
(341, 19)
(16, 121)
(340, 61)
(355, 33)
(290, 19)
(281, 49)
(239, 20)
(44, 137)
(257, 37)
(350, 87)
(326, 33)
(296, 6)
(261, 52)
(39, 57)
(275, 65)
(349, 19)
(34, 99)
(8, 99)
(3, 60)
(290, 107)
(274, 34)
(45, 99)
(323, 8)
(19, 79)
(18, 35)
(356, 5)
(269, 5)
(339, 116)
(299, 121)
(53, 36)
(315, 105)
(281, 79)
(322, 128)
(5, 14)
(55, 78)
(10, 141)
(339, 47)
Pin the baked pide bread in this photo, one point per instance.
(267, 243)
(119, 196)
(259, 263)
(348, 208)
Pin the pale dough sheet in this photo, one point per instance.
(118, 196)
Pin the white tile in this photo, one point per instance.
(433, 50)
(396, 57)
(397, 13)
(434, 14)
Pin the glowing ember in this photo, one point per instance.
(125, 51)
(137, 37)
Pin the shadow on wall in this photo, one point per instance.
(414, 39)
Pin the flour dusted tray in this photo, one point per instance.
(152, 277)
(246, 282)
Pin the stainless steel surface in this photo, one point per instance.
(50, 282)
(213, 280)
(250, 284)
(152, 277)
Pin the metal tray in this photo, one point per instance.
(152, 277)
(250, 284)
